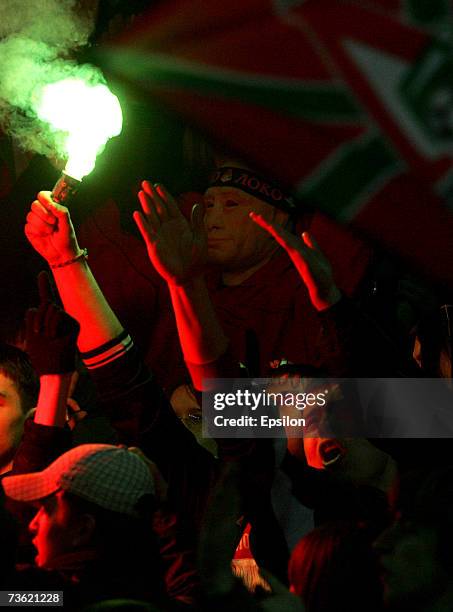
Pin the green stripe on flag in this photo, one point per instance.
(429, 12)
(315, 101)
(350, 175)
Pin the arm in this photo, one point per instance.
(351, 341)
(45, 436)
(337, 314)
(178, 250)
(128, 393)
(52, 399)
(50, 231)
(102, 338)
(50, 341)
(313, 267)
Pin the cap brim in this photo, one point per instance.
(30, 487)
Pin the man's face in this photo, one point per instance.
(353, 459)
(235, 242)
(408, 556)
(53, 530)
(11, 420)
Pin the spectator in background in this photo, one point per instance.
(433, 342)
(333, 568)
(94, 522)
(259, 296)
(18, 395)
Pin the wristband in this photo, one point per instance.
(82, 255)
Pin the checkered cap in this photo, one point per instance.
(109, 476)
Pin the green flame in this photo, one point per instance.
(88, 114)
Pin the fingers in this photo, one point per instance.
(45, 199)
(45, 215)
(282, 236)
(197, 220)
(310, 241)
(270, 227)
(170, 202)
(157, 200)
(72, 406)
(35, 317)
(41, 212)
(164, 203)
(46, 316)
(44, 287)
(145, 228)
(52, 319)
(149, 210)
(31, 234)
(158, 206)
(43, 319)
(74, 413)
(38, 225)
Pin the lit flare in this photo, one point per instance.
(88, 114)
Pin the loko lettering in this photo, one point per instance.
(252, 184)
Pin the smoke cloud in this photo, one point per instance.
(37, 40)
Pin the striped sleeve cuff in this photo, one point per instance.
(108, 352)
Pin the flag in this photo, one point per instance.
(349, 104)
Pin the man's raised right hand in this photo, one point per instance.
(176, 248)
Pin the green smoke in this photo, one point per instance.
(38, 38)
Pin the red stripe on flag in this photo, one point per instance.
(282, 146)
(413, 223)
(334, 25)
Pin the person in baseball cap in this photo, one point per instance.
(111, 477)
(93, 526)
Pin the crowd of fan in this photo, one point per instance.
(115, 497)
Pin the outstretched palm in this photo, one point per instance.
(176, 248)
(311, 263)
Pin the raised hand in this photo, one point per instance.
(311, 263)
(50, 231)
(176, 248)
(50, 334)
